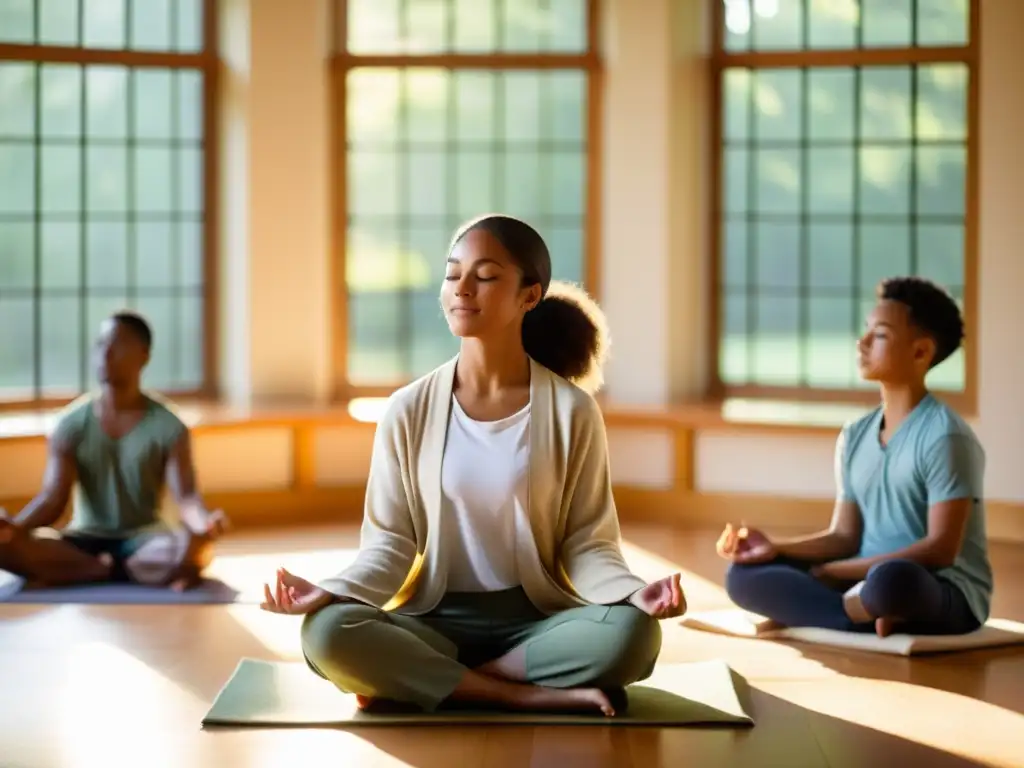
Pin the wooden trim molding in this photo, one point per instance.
(305, 505)
(1004, 519)
(306, 498)
(765, 417)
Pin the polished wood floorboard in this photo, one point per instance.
(110, 686)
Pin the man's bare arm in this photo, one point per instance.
(181, 472)
(181, 478)
(58, 481)
(840, 540)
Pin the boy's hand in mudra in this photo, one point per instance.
(663, 599)
(293, 595)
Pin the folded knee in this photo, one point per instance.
(741, 582)
(890, 585)
(327, 634)
(629, 652)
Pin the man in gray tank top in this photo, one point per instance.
(112, 452)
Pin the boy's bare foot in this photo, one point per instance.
(883, 627)
(363, 702)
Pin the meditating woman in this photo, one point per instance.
(489, 567)
(907, 548)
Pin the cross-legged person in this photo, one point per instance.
(489, 567)
(907, 549)
(113, 453)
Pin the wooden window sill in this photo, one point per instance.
(739, 414)
(733, 414)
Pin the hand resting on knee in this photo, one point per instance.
(294, 595)
(745, 545)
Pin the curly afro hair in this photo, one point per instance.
(931, 309)
(567, 333)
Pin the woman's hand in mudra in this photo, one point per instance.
(663, 599)
(293, 595)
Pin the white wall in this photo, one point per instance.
(654, 244)
(275, 206)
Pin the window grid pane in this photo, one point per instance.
(162, 26)
(431, 27)
(837, 25)
(427, 149)
(833, 178)
(99, 163)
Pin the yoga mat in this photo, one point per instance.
(739, 623)
(264, 693)
(209, 592)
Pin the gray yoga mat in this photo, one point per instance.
(289, 694)
(209, 592)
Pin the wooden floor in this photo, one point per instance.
(127, 686)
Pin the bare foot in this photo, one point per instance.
(363, 701)
(883, 627)
(184, 583)
(539, 697)
(563, 699)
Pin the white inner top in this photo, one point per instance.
(484, 485)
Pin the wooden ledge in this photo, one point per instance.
(761, 416)
(748, 415)
(207, 415)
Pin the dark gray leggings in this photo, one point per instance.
(784, 590)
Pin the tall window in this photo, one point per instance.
(103, 154)
(846, 135)
(449, 109)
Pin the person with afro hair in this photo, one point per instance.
(907, 548)
(489, 568)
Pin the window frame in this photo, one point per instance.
(721, 60)
(207, 61)
(342, 62)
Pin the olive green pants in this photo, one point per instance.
(421, 659)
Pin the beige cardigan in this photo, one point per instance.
(567, 542)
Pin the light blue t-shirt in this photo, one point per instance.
(933, 457)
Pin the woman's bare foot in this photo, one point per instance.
(509, 670)
(537, 697)
(517, 696)
(883, 627)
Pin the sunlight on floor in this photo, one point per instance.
(249, 572)
(107, 704)
(308, 746)
(278, 633)
(700, 592)
(970, 728)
